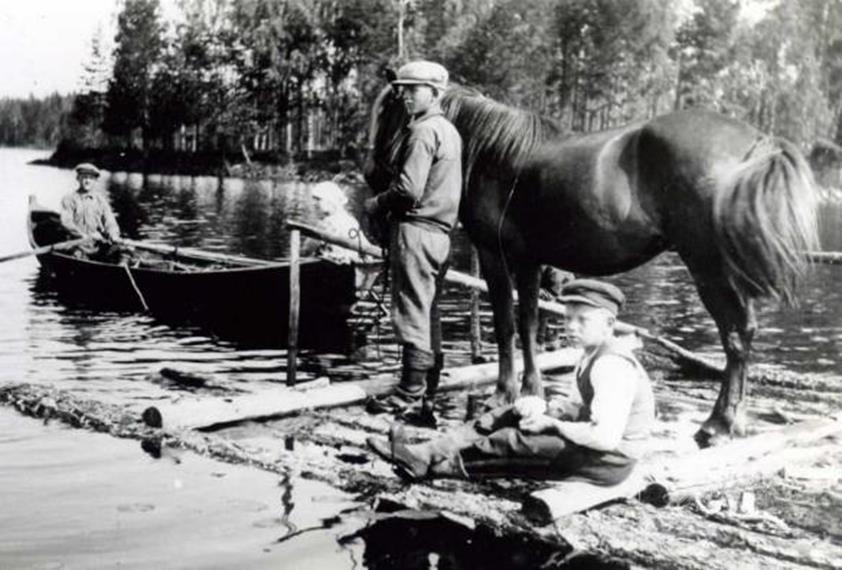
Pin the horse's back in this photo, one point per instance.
(580, 195)
(696, 138)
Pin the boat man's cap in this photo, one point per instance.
(594, 293)
(422, 73)
(330, 193)
(87, 169)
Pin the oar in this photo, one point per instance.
(453, 276)
(194, 253)
(69, 244)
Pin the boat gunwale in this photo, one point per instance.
(269, 265)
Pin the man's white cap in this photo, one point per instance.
(330, 193)
(422, 73)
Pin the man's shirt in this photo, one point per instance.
(617, 403)
(89, 213)
(429, 184)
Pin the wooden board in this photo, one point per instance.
(568, 497)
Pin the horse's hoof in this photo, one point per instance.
(717, 431)
(498, 400)
(478, 407)
(532, 391)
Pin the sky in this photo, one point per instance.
(44, 44)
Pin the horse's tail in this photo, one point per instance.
(765, 220)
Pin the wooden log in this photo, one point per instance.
(828, 257)
(675, 479)
(569, 497)
(277, 403)
(722, 465)
(294, 304)
(475, 283)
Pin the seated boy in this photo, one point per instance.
(597, 439)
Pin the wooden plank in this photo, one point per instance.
(294, 304)
(568, 497)
(674, 479)
(277, 403)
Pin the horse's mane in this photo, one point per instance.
(499, 136)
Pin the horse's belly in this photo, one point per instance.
(596, 253)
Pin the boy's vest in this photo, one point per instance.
(642, 412)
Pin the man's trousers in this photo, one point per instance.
(418, 262)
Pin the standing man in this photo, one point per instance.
(597, 436)
(422, 203)
(85, 213)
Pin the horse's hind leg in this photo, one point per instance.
(528, 279)
(735, 319)
(500, 294)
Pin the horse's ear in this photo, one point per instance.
(389, 74)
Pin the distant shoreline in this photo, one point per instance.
(321, 166)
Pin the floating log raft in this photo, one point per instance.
(330, 446)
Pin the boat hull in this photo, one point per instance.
(243, 304)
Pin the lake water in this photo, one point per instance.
(75, 493)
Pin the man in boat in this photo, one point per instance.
(330, 203)
(422, 204)
(597, 436)
(86, 213)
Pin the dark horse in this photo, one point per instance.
(736, 205)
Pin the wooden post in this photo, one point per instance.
(294, 303)
(476, 329)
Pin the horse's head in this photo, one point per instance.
(388, 117)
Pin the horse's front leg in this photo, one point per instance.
(500, 294)
(528, 280)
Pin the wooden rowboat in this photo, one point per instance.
(232, 297)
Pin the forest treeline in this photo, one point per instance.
(34, 122)
(284, 77)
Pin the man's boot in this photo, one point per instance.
(424, 415)
(412, 385)
(420, 461)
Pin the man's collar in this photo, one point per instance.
(434, 110)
